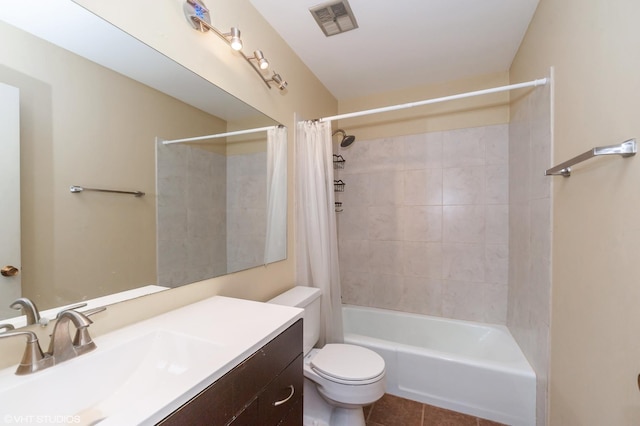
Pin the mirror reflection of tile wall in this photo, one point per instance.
(191, 184)
(246, 210)
(211, 213)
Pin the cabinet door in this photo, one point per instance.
(282, 394)
(211, 407)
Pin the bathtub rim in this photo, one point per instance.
(520, 367)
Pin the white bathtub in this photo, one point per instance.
(469, 367)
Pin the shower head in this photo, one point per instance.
(346, 139)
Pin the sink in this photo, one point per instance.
(110, 383)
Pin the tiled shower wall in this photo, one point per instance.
(192, 218)
(529, 308)
(425, 223)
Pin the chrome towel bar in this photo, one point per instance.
(625, 149)
(76, 189)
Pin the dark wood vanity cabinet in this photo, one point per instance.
(263, 390)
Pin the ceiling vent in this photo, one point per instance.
(334, 17)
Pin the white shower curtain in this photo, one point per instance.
(316, 233)
(276, 239)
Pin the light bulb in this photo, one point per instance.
(262, 62)
(235, 41)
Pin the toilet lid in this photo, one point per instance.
(347, 362)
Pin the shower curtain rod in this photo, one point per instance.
(533, 83)
(222, 135)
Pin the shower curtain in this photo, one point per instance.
(276, 239)
(316, 233)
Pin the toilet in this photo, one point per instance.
(339, 379)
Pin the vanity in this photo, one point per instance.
(219, 361)
(264, 389)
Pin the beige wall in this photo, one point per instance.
(595, 349)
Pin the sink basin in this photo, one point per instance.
(114, 382)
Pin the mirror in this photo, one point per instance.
(90, 114)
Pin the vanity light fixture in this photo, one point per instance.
(234, 39)
(278, 81)
(259, 57)
(199, 17)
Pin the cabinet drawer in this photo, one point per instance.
(282, 395)
(259, 370)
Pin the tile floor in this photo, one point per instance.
(394, 411)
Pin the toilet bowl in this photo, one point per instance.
(339, 378)
(338, 401)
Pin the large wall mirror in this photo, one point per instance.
(95, 105)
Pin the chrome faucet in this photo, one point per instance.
(28, 308)
(62, 347)
(32, 359)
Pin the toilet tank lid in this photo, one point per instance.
(298, 296)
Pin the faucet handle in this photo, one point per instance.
(71, 308)
(32, 359)
(93, 311)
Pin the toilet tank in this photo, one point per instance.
(307, 298)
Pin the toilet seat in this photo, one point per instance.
(348, 364)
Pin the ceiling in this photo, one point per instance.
(403, 43)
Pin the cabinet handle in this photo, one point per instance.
(293, 390)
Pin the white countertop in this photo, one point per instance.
(230, 330)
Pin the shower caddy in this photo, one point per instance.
(338, 185)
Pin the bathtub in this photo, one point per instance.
(469, 367)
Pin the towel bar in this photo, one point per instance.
(627, 148)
